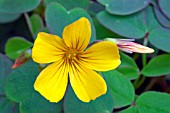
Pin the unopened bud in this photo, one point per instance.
(24, 57)
(127, 45)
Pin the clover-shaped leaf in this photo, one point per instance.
(164, 5)
(55, 12)
(13, 51)
(134, 26)
(120, 87)
(100, 105)
(5, 18)
(124, 7)
(149, 102)
(19, 88)
(18, 6)
(160, 38)
(128, 67)
(5, 70)
(159, 61)
(70, 4)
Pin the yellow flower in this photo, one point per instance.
(69, 59)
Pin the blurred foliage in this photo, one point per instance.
(131, 87)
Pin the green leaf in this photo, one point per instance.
(124, 7)
(94, 8)
(70, 4)
(73, 105)
(6, 18)
(158, 66)
(5, 69)
(6, 106)
(57, 18)
(39, 104)
(164, 5)
(134, 26)
(101, 31)
(13, 51)
(121, 88)
(18, 6)
(19, 88)
(160, 38)
(36, 24)
(129, 72)
(153, 102)
(43, 30)
(130, 109)
(161, 17)
(128, 67)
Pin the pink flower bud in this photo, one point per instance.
(24, 57)
(127, 45)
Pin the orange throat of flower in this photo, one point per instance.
(71, 54)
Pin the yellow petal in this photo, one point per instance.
(52, 81)
(48, 48)
(102, 56)
(86, 83)
(77, 35)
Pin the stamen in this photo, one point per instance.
(71, 54)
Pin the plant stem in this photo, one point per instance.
(138, 82)
(135, 56)
(151, 84)
(135, 83)
(145, 42)
(28, 23)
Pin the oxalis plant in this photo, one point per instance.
(84, 56)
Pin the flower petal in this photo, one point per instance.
(52, 81)
(48, 48)
(77, 35)
(102, 56)
(86, 83)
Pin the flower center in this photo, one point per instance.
(71, 54)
